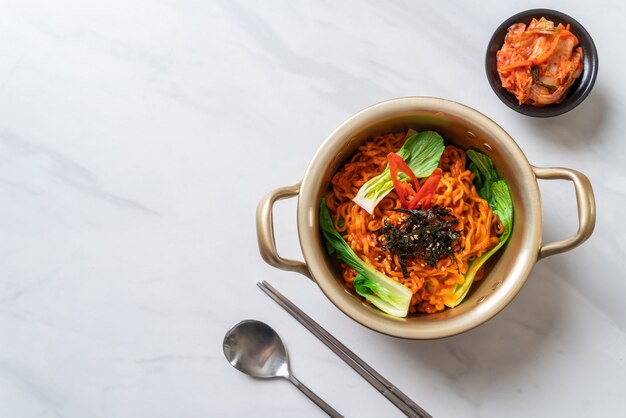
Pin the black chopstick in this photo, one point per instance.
(392, 393)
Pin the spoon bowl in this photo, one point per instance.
(254, 348)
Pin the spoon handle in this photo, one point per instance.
(312, 396)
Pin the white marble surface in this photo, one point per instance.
(136, 138)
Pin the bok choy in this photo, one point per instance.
(383, 292)
(496, 192)
(421, 152)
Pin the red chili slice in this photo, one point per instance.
(426, 193)
(396, 165)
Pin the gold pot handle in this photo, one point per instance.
(265, 231)
(586, 208)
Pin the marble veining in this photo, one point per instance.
(136, 138)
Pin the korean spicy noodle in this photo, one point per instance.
(478, 227)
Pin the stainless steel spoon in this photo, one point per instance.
(254, 348)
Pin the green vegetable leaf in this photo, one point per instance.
(485, 171)
(496, 192)
(383, 292)
(371, 290)
(551, 89)
(421, 151)
(534, 70)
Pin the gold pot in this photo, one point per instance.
(461, 126)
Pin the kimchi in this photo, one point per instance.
(538, 63)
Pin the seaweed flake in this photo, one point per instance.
(428, 235)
